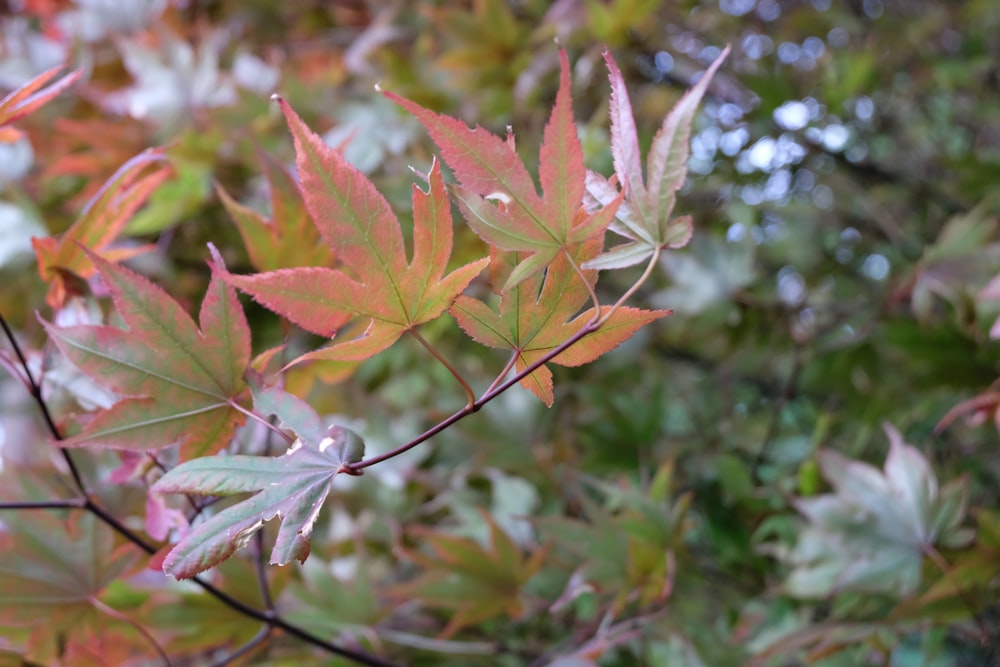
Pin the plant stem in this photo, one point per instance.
(583, 279)
(69, 503)
(256, 417)
(589, 328)
(635, 286)
(444, 362)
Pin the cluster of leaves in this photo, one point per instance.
(646, 515)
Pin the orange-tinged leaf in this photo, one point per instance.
(374, 283)
(289, 238)
(30, 97)
(90, 149)
(53, 569)
(499, 199)
(540, 314)
(179, 381)
(473, 581)
(102, 220)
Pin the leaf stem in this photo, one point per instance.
(935, 556)
(117, 615)
(587, 329)
(583, 278)
(471, 395)
(506, 369)
(254, 642)
(256, 417)
(635, 286)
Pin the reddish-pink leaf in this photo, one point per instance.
(499, 199)
(29, 98)
(102, 220)
(375, 283)
(644, 216)
(539, 315)
(179, 382)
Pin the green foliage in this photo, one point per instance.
(807, 188)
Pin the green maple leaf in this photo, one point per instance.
(472, 581)
(180, 383)
(872, 534)
(288, 238)
(644, 216)
(291, 487)
(539, 314)
(52, 576)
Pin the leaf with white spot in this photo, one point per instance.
(291, 487)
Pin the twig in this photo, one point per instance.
(635, 286)
(69, 503)
(254, 642)
(447, 364)
(115, 614)
(477, 405)
(583, 278)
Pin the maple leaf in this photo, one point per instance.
(102, 220)
(872, 534)
(496, 193)
(29, 98)
(473, 581)
(538, 315)
(52, 574)
(291, 487)
(644, 217)
(89, 150)
(289, 238)
(355, 221)
(181, 383)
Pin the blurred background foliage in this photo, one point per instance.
(844, 190)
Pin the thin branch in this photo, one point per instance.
(254, 642)
(447, 364)
(35, 389)
(632, 290)
(256, 417)
(935, 556)
(583, 278)
(69, 503)
(589, 328)
(117, 615)
(265, 588)
(506, 369)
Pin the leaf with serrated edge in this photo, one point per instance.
(291, 487)
(289, 238)
(29, 98)
(102, 220)
(499, 199)
(540, 314)
(377, 285)
(873, 532)
(645, 213)
(178, 380)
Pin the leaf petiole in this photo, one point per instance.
(451, 369)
